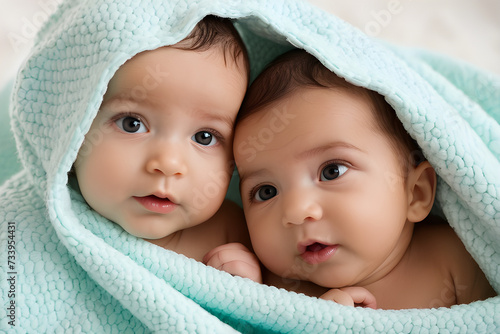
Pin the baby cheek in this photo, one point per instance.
(267, 239)
(100, 170)
(216, 177)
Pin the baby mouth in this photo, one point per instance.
(315, 247)
(156, 204)
(316, 252)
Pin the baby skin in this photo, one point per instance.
(157, 159)
(334, 211)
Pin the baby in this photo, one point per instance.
(157, 159)
(336, 193)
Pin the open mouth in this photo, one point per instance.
(156, 204)
(316, 252)
(315, 247)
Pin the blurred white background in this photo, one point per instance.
(464, 29)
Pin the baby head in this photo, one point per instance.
(331, 182)
(158, 156)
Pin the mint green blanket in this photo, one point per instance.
(64, 268)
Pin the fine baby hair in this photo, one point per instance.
(219, 32)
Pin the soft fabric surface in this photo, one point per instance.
(75, 271)
(9, 163)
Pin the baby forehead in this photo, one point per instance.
(311, 109)
(274, 118)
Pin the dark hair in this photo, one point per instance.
(216, 31)
(296, 69)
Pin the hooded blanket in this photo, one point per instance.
(64, 268)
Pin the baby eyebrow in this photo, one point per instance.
(323, 148)
(131, 103)
(244, 177)
(224, 119)
(125, 101)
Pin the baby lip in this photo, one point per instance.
(159, 196)
(307, 245)
(315, 247)
(315, 252)
(156, 204)
(163, 196)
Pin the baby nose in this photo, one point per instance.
(300, 207)
(168, 160)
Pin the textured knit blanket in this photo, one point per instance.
(64, 268)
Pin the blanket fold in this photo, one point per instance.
(67, 269)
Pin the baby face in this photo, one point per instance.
(157, 158)
(322, 189)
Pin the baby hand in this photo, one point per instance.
(235, 259)
(351, 296)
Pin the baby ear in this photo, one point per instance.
(421, 183)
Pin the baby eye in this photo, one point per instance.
(204, 138)
(265, 193)
(332, 171)
(131, 124)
